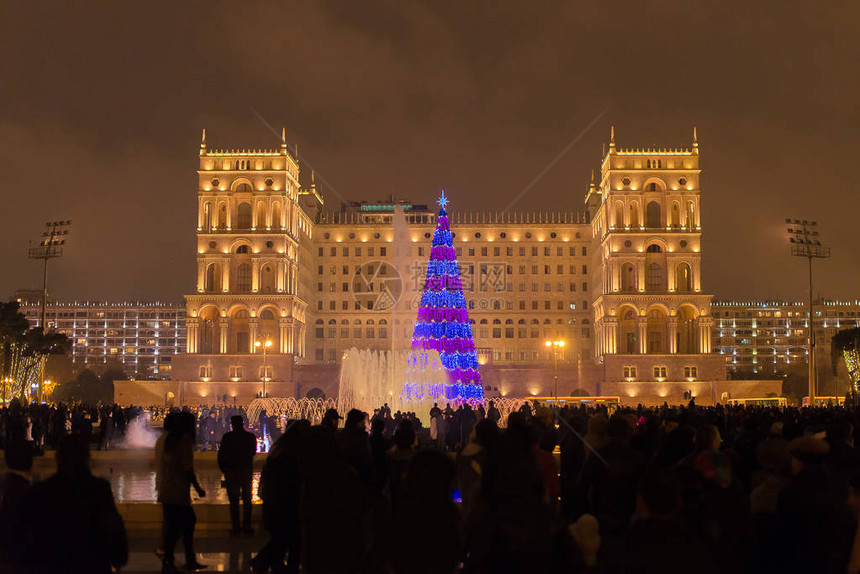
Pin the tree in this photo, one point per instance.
(23, 351)
(443, 319)
(846, 344)
(13, 326)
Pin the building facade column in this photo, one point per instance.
(280, 276)
(225, 275)
(705, 334)
(611, 330)
(286, 326)
(192, 324)
(253, 328)
(223, 327)
(672, 333)
(642, 334)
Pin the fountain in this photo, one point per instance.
(406, 380)
(293, 409)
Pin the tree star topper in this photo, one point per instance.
(443, 201)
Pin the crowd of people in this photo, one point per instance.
(43, 425)
(576, 489)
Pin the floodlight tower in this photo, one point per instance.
(803, 237)
(50, 247)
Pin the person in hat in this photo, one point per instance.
(236, 461)
(816, 521)
(329, 420)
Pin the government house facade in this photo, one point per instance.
(286, 284)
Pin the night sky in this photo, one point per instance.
(102, 105)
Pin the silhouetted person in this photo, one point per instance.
(209, 428)
(514, 529)
(817, 524)
(656, 541)
(427, 507)
(379, 445)
(280, 489)
(174, 453)
(236, 461)
(334, 509)
(14, 484)
(493, 413)
(73, 523)
(610, 477)
(330, 420)
(354, 445)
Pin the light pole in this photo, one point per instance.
(265, 346)
(556, 346)
(50, 247)
(803, 236)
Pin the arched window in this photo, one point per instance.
(243, 216)
(207, 216)
(628, 277)
(634, 215)
(222, 216)
(244, 188)
(243, 278)
(619, 214)
(267, 315)
(653, 214)
(654, 248)
(676, 215)
(653, 187)
(691, 215)
(243, 250)
(212, 282)
(209, 332)
(683, 278)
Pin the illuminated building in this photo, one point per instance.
(652, 316)
(619, 283)
(254, 231)
(768, 337)
(143, 337)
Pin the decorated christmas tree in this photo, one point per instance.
(443, 319)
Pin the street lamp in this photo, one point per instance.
(803, 236)
(265, 346)
(556, 346)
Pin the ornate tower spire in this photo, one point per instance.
(612, 139)
(695, 141)
(203, 143)
(284, 141)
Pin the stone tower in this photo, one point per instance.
(652, 317)
(251, 234)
